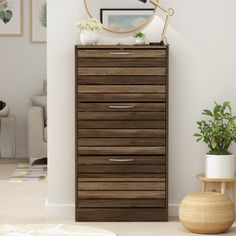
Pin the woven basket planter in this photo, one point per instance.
(207, 213)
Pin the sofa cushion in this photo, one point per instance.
(45, 134)
(45, 87)
(42, 102)
(39, 101)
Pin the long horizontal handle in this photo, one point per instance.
(121, 53)
(121, 107)
(121, 160)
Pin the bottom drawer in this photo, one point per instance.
(121, 215)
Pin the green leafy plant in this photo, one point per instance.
(139, 35)
(219, 132)
(90, 24)
(43, 15)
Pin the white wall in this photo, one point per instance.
(202, 70)
(22, 70)
(95, 6)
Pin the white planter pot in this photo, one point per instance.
(219, 166)
(89, 37)
(140, 41)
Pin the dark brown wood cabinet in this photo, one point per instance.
(121, 133)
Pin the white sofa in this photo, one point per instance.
(37, 134)
(37, 127)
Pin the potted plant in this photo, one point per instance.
(219, 132)
(140, 38)
(89, 29)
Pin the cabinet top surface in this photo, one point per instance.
(120, 47)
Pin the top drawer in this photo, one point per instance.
(124, 53)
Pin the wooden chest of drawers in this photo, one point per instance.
(121, 133)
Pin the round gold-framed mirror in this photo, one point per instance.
(121, 16)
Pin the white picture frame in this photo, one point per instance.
(11, 18)
(38, 21)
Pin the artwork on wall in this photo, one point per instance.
(38, 21)
(11, 12)
(124, 20)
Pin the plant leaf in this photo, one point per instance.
(207, 112)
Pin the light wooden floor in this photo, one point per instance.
(24, 203)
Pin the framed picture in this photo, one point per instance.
(11, 14)
(38, 21)
(125, 20)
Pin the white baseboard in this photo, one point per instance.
(60, 209)
(63, 209)
(173, 209)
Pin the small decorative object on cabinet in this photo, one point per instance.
(4, 109)
(219, 133)
(140, 38)
(89, 31)
(121, 133)
(169, 13)
(207, 213)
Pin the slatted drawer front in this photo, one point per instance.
(121, 107)
(122, 97)
(122, 160)
(114, 124)
(121, 80)
(126, 62)
(121, 133)
(121, 54)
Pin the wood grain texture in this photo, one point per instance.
(121, 133)
(126, 62)
(139, 160)
(118, 54)
(121, 71)
(121, 116)
(122, 176)
(107, 142)
(121, 215)
(151, 97)
(121, 203)
(122, 80)
(121, 168)
(121, 106)
(121, 194)
(122, 89)
(121, 47)
(122, 150)
(121, 186)
(157, 124)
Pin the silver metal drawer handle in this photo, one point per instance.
(121, 107)
(121, 160)
(121, 53)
